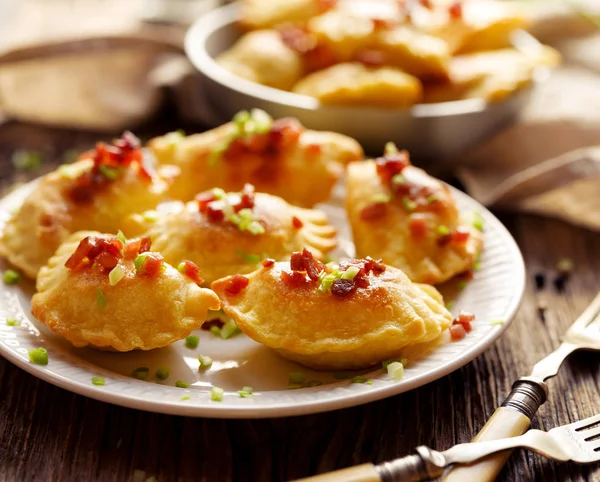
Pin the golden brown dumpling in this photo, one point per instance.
(269, 13)
(348, 316)
(278, 157)
(97, 192)
(356, 84)
(151, 305)
(266, 227)
(491, 75)
(262, 56)
(409, 219)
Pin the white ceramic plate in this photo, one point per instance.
(494, 293)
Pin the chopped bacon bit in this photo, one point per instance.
(370, 57)
(418, 226)
(247, 199)
(84, 247)
(464, 319)
(152, 265)
(360, 281)
(391, 164)
(455, 10)
(316, 56)
(105, 251)
(444, 240)
(457, 332)
(106, 260)
(204, 199)
(325, 5)
(376, 266)
(236, 284)
(383, 24)
(305, 261)
(296, 262)
(285, 132)
(373, 211)
(191, 270)
(137, 246)
(314, 149)
(145, 244)
(268, 263)
(294, 279)
(343, 288)
(460, 235)
(214, 211)
(296, 223)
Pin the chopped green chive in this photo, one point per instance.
(184, 397)
(245, 392)
(151, 216)
(23, 160)
(109, 172)
(350, 273)
(191, 341)
(116, 274)
(11, 277)
(216, 394)
(12, 322)
(478, 222)
(443, 230)
(140, 373)
(181, 384)
(249, 258)
(297, 377)
(359, 379)
(369, 382)
(163, 373)
(295, 386)
(497, 322)
(100, 299)
(262, 121)
(241, 118)
(326, 282)
(396, 371)
(408, 204)
(381, 198)
(121, 237)
(398, 179)
(386, 363)
(255, 228)
(476, 266)
(205, 362)
(390, 148)
(39, 356)
(314, 383)
(98, 381)
(139, 260)
(215, 330)
(229, 330)
(450, 304)
(327, 258)
(432, 198)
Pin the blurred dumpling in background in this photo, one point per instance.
(356, 84)
(278, 157)
(115, 294)
(408, 219)
(97, 192)
(229, 233)
(333, 317)
(257, 14)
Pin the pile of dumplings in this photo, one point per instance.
(352, 53)
(133, 247)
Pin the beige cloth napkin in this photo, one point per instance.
(96, 64)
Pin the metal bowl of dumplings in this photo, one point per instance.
(428, 131)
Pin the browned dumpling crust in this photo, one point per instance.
(101, 292)
(97, 192)
(229, 233)
(278, 157)
(341, 316)
(408, 219)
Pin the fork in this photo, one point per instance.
(528, 393)
(578, 442)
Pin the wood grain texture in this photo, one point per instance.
(47, 433)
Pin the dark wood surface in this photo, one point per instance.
(48, 434)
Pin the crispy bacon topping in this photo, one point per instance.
(152, 265)
(391, 164)
(294, 279)
(107, 251)
(136, 246)
(455, 10)
(236, 284)
(417, 225)
(297, 223)
(305, 261)
(373, 211)
(109, 163)
(191, 270)
(461, 325)
(315, 55)
(214, 204)
(459, 236)
(268, 263)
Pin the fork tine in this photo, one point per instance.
(590, 313)
(590, 434)
(583, 424)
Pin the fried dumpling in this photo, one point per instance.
(97, 193)
(270, 13)
(491, 75)
(263, 57)
(408, 219)
(355, 84)
(334, 317)
(230, 233)
(98, 290)
(278, 157)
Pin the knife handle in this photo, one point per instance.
(511, 419)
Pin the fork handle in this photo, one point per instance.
(509, 420)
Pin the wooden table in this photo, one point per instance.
(47, 433)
